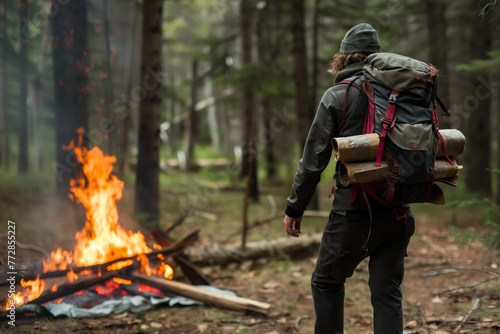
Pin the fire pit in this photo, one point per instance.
(110, 269)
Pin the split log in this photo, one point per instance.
(208, 297)
(286, 247)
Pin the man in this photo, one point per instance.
(358, 226)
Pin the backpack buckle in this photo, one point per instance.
(393, 98)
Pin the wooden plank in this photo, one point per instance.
(212, 298)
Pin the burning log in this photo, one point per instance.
(68, 289)
(212, 298)
(175, 247)
(193, 274)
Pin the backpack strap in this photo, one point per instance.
(443, 107)
(387, 124)
(369, 124)
(349, 83)
(440, 137)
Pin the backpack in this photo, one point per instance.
(402, 96)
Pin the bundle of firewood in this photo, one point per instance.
(357, 154)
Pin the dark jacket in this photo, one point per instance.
(328, 123)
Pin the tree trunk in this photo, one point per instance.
(213, 115)
(191, 121)
(458, 53)
(23, 164)
(300, 71)
(128, 107)
(495, 33)
(262, 50)
(4, 133)
(305, 115)
(37, 99)
(315, 58)
(249, 163)
(437, 44)
(34, 92)
(108, 80)
(69, 59)
(147, 190)
(478, 177)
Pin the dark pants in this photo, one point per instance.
(346, 241)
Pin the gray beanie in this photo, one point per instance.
(361, 38)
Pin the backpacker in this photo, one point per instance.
(402, 96)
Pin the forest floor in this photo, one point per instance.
(445, 288)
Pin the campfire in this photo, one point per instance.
(110, 259)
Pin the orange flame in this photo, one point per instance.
(102, 239)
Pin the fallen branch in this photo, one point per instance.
(179, 220)
(475, 306)
(473, 285)
(208, 297)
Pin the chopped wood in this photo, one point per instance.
(305, 245)
(208, 297)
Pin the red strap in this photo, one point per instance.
(380, 150)
(440, 137)
(369, 125)
(354, 194)
(387, 124)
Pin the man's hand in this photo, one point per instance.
(292, 225)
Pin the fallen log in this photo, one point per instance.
(208, 297)
(286, 247)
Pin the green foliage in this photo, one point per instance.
(18, 191)
(491, 213)
(490, 64)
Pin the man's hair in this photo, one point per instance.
(341, 61)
